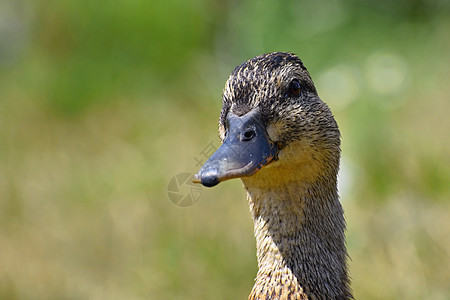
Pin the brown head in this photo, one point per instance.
(273, 126)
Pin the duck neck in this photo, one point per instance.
(299, 230)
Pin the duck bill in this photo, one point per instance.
(246, 149)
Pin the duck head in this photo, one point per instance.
(273, 126)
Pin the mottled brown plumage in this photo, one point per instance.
(299, 222)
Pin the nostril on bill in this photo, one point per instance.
(248, 135)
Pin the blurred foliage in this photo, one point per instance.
(103, 102)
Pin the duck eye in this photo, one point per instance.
(294, 88)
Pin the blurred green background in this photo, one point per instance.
(102, 103)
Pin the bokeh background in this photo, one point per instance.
(102, 103)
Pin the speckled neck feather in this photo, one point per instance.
(299, 232)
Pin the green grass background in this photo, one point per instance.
(102, 103)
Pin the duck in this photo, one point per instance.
(283, 142)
